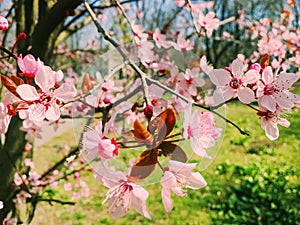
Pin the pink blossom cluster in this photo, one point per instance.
(258, 84)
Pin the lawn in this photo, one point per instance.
(242, 162)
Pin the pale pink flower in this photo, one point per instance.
(176, 177)
(232, 82)
(269, 122)
(4, 118)
(209, 22)
(189, 82)
(28, 162)
(3, 23)
(160, 40)
(95, 143)
(1, 205)
(18, 180)
(45, 104)
(9, 220)
(184, 45)
(28, 65)
(33, 178)
(199, 127)
(122, 193)
(273, 90)
(68, 187)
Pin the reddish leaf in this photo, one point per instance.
(86, 84)
(17, 80)
(141, 134)
(264, 61)
(176, 152)
(144, 165)
(10, 85)
(163, 123)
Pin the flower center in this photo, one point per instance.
(235, 83)
(269, 89)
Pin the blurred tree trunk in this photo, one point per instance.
(42, 23)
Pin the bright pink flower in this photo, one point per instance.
(178, 176)
(232, 82)
(45, 104)
(269, 122)
(209, 22)
(3, 23)
(201, 130)
(95, 143)
(273, 91)
(122, 194)
(28, 65)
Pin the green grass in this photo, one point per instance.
(235, 149)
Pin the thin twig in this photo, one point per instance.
(56, 201)
(108, 38)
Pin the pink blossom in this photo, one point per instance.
(95, 143)
(9, 220)
(18, 180)
(68, 187)
(33, 178)
(45, 104)
(28, 65)
(176, 177)
(184, 45)
(209, 22)
(232, 82)
(3, 23)
(122, 193)
(273, 91)
(28, 162)
(269, 122)
(189, 82)
(160, 40)
(199, 127)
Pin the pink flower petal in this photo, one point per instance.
(44, 78)
(220, 77)
(286, 80)
(37, 112)
(27, 92)
(196, 181)
(138, 202)
(237, 67)
(53, 112)
(65, 92)
(268, 102)
(166, 199)
(267, 75)
(245, 95)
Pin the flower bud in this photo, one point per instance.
(21, 36)
(255, 66)
(3, 23)
(148, 111)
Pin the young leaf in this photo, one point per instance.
(10, 85)
(141, 134)
(163, 123)
(144, 165)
